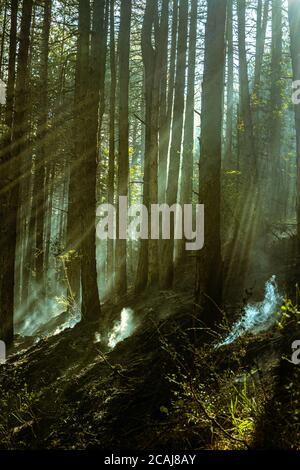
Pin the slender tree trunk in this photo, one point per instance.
(73, 220)
(27, 186)
(49, 192)
(165, 127)
(276, 189)
(3, 37)
(102, 23)
(186, 189)
(91, 68)
(176, 141)
(112, 137)
(123, 163)
(148, 256)
(153, 269)
(256, 101)
(39, 180)
(228, 157)
(10, 95)
(164, 131)
(246, 124)
(261, 25)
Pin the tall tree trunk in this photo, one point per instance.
(153, 269)
(10, 93)
(102, 23)
(123, 160)
(112, 136)
(3, 37)
(176, 141)
(186, 189)
(90, 72)
(294, 22)
(148, 257)
(164, 130)
(228, 156)
(210, 265)
(165, 127)
(26, 189)
(261, 29)
(73, 220)
(246, 125)
(276, 189)
(15, 162)
(6, 315)
(40, 167)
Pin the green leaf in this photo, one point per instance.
(164, 410)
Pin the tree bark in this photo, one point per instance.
(165, 130)
(123, 158)
(91, 70)
(3, 37)
(164, 122)
(147, 271)
(246, 124)
(16, 155)
(39, 201)
(210, 265)
(228, 156)
(186, 189)
(294, 22)
(276, 189)
(112, 137)
(6, 311)
(176, 141)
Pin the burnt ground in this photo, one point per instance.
(164, 387)
(155, 390)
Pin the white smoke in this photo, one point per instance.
(97, 338)
(123, 328)
(48, 319)
(257, 317)
(72, 321)
(39, 317)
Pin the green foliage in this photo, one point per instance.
(164, 410)
(290, 314)
(242, 410)
(19, 411)
(220, 406)
(68, 256)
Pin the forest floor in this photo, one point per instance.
(167, 386)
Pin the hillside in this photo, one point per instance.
(165, 387)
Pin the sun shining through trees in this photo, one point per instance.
(149, 209)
